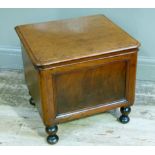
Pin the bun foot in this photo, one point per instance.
(52, 138)
(32, 101)
(124, 118)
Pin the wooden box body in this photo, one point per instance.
(74, 90)
(76, 68)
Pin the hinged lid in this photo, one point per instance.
(53, 42)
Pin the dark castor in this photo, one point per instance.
(124, 118)
(52, 138)
(32, 101)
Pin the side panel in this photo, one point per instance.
(91, 86)
(37, 83)
(32, 79)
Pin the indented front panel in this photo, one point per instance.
(87, 87)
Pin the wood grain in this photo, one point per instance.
(90, 86)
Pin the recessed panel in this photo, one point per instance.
(90, 87)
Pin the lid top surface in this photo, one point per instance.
(64, 40)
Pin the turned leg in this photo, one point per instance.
(52, 138)
(31, 101)
(124, 118)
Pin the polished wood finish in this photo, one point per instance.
(78, 67)
(89, 82)
(66, 40)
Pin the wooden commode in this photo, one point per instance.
(78, 67)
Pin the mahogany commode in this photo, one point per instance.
(78, 67)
